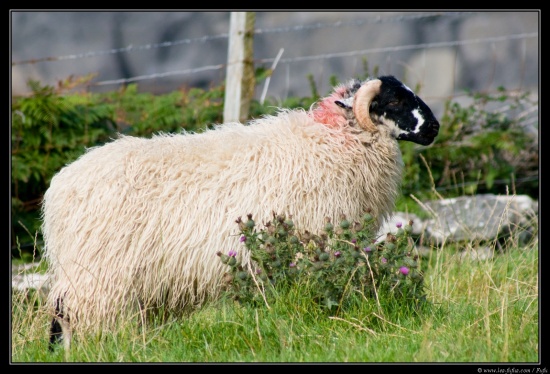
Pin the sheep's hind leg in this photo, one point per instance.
(60, 328)
(56, 334)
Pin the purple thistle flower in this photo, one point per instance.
(232, 253)
(337, 254)
(398, 225)
(242, 239)
(258, 271)
(354, 240)
(404, 270)
(367, 249)
(292, 264)
(384, 260)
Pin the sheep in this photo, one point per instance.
(135, 224)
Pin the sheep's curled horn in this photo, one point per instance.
(361, 103)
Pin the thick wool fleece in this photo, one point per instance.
(136, 223)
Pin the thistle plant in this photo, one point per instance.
(340, 261)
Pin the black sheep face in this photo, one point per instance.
(407, 116)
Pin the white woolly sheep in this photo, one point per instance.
(135, 224)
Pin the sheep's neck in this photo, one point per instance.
(327, 113)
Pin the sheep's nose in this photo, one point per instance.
(432, 129)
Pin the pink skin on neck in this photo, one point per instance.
(328, 113)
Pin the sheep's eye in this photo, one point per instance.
(393, 103)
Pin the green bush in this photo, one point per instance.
(48, 131)
(143, 113)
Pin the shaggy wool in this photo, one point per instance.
(136, 223)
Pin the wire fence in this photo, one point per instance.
(303, 32)
(206, 38)
(481, 60)
(266, 60)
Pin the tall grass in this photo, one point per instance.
(478, 310)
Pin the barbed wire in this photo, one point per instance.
(129, 48)
(361, 22)
(327, 56)
(408, 47)
(159, 75)
(257, 31)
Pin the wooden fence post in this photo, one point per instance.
(240, 79)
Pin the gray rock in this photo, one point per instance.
(476, 254)
(25, 281)
(481, 217)
(469, 218)
(389, 226)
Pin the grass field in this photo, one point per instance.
(482, 311)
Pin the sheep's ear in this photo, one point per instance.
(346, 103)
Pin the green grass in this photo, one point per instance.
(477, 311)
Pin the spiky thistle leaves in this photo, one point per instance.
(341, 261)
